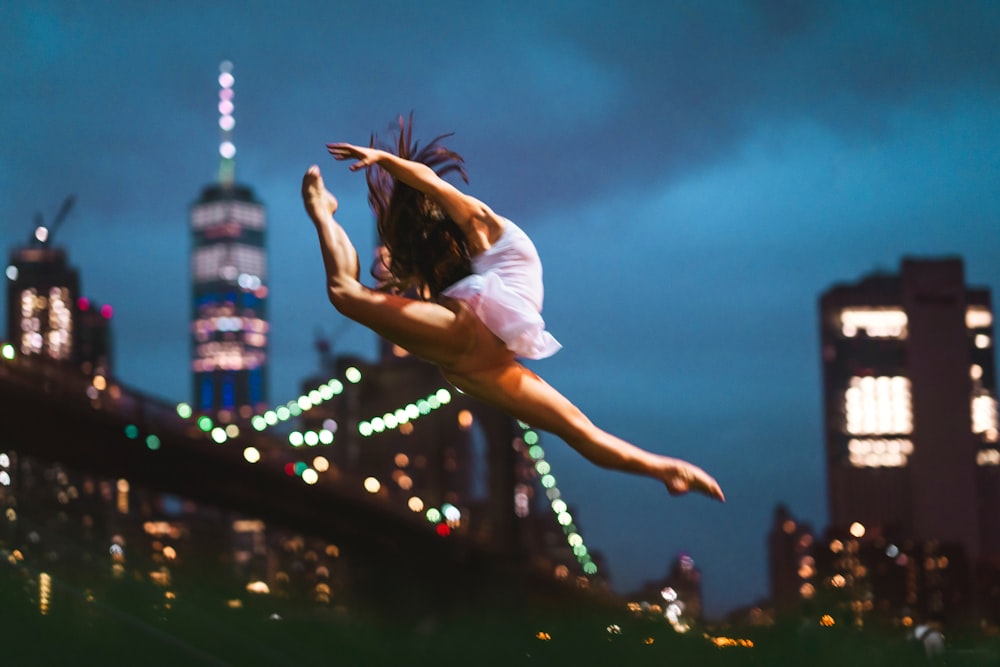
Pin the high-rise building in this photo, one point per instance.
(46, 314)
(909, 386)
(42, 290)
(229, 325)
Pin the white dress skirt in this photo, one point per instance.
(505, 292)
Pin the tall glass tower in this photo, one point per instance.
(229, 326)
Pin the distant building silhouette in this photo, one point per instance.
(909, 386)
(229, 323)
(913, 467)
(47, 315)
(792, 564)
(677, 597)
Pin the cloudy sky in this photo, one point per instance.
(694, 176)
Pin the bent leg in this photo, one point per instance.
(522, 394)
(439, 334)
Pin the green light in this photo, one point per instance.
(590, 568)
(336, 385)
(536, 452)
(300, 468)
(530, 438)
(219, 434)
(574, 539)
(271, 417)
(558, 506)
(326, 437)
(152, 442)
(433, 515)
(325, 393)
(548, 481)
(353, 375)
(304, 402)
(444, 396)
(205, 423)
(423, 407)
(311, 438)
(184, 411)
(131, 431)
(294, 409)
(543, 467)
(580, 551)
(282, 413)
(365, 429)
(7, 351)
(433, 402)
(412, 411)
(259, 423)
(295, 439)
(564, 519)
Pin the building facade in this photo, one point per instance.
(229, 322)
(909, 388)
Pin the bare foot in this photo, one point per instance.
(681, 477)
(319, 202)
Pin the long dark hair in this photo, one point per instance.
(427, 250)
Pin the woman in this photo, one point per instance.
(477, 296)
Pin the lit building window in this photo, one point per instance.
(984, 413)
(988, 457)
(46, 323)
(978, 317)
(878, 406)
(874, 322)
(229, 261)
(248, 215)
(879, 453)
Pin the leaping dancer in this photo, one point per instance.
(476, 285)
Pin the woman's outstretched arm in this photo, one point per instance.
(464, 209)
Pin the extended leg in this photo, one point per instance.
(522, 394)
(439, 334)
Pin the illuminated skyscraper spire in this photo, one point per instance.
(227, 150)
(229, 325)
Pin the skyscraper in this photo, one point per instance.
(229, 326)
(46, 314)
(909, 385)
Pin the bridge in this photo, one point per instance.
(55, 414)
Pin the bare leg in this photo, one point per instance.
(446, 336)
(519, 392)
(475, 360)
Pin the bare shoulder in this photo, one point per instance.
(482, 227)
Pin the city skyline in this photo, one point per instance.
(691, 203)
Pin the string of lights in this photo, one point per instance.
(444, 518)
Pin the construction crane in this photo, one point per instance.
(43, 234)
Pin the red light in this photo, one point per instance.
(290, 469)
(83, 303)
(443, 530)
(106, 311)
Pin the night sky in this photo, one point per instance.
(694, 176)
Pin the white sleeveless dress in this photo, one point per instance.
(505, 292)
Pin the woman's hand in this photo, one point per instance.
(364, 155)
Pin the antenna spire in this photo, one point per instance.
(227, 150)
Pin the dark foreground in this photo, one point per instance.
(136, 625)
